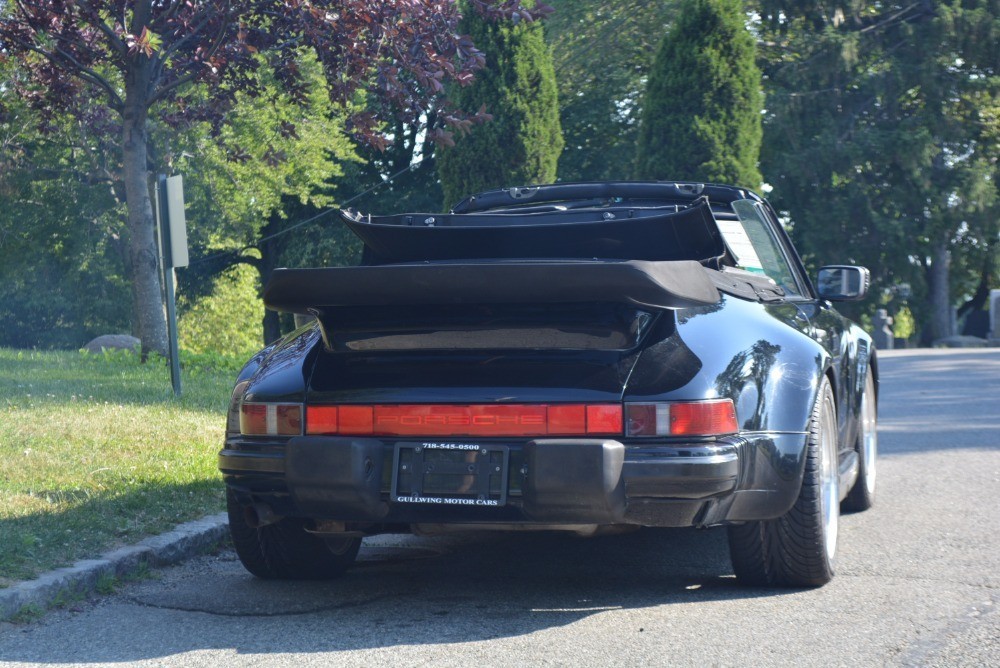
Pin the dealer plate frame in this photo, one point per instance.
(487, 458)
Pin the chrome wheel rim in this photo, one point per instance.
(829, 476)
(869, 435)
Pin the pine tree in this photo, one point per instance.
(883, 131)
(521, 145)
(603, 51)
(701, 116)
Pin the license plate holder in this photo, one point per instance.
(450, 474)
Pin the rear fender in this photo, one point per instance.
(281, 371)
(770, 370)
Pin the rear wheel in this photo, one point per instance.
(862, 495)
(285, 550)
(798, 548)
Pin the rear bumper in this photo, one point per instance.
(548, 481)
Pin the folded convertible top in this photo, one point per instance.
(658, 285)
(622, 233)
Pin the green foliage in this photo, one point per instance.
(882, 137)
(227, 319)
(28, 614)
(303, 148)
(903, 324)
(116, 68)
(63, 242)
(517, 86)
(273, 151)
(327, 243)
(106, 584)
(701, 116)
(61, 246)
(603, 51)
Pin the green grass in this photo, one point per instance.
(96, 452)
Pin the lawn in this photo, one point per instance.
(96, 452)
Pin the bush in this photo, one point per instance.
(226, 322)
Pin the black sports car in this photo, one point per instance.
(569, 357)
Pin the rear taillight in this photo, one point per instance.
(432, 420)
(714, 417)
(267, 419)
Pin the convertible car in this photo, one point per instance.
(581, 357)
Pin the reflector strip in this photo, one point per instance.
(271, 419)
(431, 420)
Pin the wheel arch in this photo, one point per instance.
(873, 365)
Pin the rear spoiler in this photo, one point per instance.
(655, 285)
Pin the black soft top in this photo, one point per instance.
(622, 231)
(650, 244)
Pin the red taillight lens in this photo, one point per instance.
(714, 417)
(604, 419)
(566, 419)
(321, 419)
(717, 417)
(355, 419)
(468, 420)
(260, 419)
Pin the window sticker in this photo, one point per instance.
(739, 242)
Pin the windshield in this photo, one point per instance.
(755, 245)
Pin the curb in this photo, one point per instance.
(82, 578)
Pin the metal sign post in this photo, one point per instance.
(174, 252)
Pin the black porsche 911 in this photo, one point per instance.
(565, 357)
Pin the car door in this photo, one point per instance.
(815, 317)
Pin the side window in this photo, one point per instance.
(756, 247)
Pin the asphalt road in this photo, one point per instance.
(918, 579)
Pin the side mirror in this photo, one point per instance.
(843, 283)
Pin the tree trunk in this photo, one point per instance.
(938, 288)
(982, 293)
(150, 322)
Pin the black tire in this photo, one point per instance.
(862, 494)
(798, 548)
(285, 550)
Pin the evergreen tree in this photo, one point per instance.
(701, 116)
(882, 143)
(517, 86)
(603, 52)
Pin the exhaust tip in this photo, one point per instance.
(259, 515)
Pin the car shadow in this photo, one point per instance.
(405, 591)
